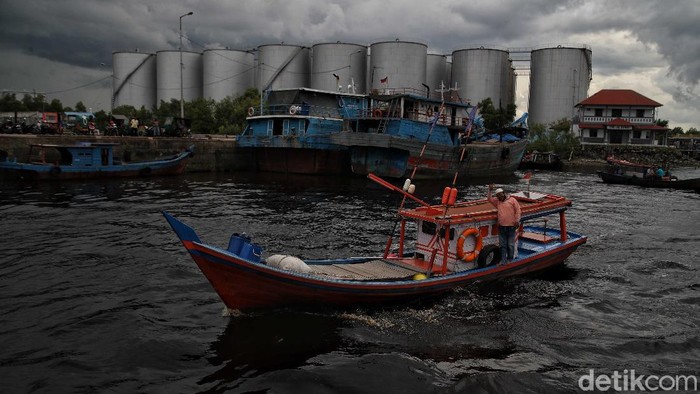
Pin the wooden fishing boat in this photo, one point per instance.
(624, 172)
(658, 182)
(541, 161)
(88, 160)
(455, 245)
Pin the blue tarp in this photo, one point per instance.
(506, 137)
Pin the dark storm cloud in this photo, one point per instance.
(84, 33)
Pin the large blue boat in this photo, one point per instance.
(292, 132)
(391, 133)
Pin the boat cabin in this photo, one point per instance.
(404, 113)
(452, 237)
(301, 111)
(84, 154)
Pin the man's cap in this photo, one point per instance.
(499, 190)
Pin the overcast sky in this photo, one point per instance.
(650, 46)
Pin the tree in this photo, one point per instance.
(231, 113)
(165, 110)
(496, 118)
(200, 111)
(9, 103)
(661, 122)
(80, 107)
(556, 138)
(677, 131)
(126, 110)
(27, 103)
(55, 105)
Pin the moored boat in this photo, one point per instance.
(308, 131)
(541, 161)
(624, 172)
(407, 134)
(88, 160)
(455, 245)
(291, 132)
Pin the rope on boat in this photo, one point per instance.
(413, 174)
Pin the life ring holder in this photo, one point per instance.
(293, 110)
(251, 111)
(461, 254)
(377, 113)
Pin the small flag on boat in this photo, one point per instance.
(527, 176)
(336, 76)
(384, 80)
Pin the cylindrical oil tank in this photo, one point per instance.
(281, 66)
(339, 66)
(508, 92)
(481, 73)
(401, 65)
(168, 75)
(436, 72)
(227, 73)
(134, 79)
(559, 79)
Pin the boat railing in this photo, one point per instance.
(353, 113)
(298, 109)
(411, 114)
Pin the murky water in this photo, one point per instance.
(97, 294)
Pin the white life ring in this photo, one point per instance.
(293, 110)
(251, 111)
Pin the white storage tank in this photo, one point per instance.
(281, 66)
(346, 61)
(227, 73)
(509, 86)
(168, 75)
(482, 73)
(401, 64)
(134, 79)
(559, 79)
(436, 72)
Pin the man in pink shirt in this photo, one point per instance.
(508, 210)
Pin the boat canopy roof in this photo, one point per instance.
(532, 204)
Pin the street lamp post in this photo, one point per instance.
(182, 103)
(111, 100)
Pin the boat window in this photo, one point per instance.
(277, 126)
(285, 127)
(302, 126)
(452, 233)
(428, 228)
(270, 125)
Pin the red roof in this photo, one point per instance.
(590, 126)
(619, 122)
(624, 97)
